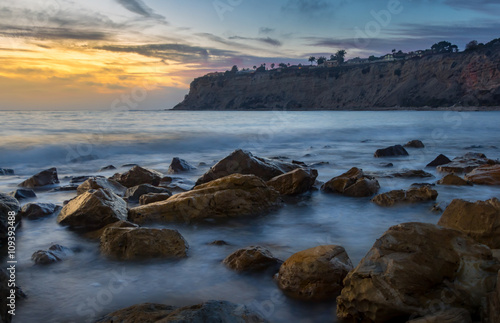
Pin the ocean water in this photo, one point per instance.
(87, 285)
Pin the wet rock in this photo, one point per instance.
(413, 195)
(413, 173)
(452, 315)
(389, 165)
(7, 204)
(392, 151)
(438, 161)
(137, 176)
(142, 243)
(129, 165)
(5, 289)
(153, 198)
(134, 193)
(105, 168)
(93, 209)
(410, 268)
(415, 144)
(33, 211)
(179, 165)
(494, 303)
(319, 164)
(219, 243)
(202, 164)
(295, 182)
(120, 224)
(95, 183)
(479, 220)
(80, 179)
(67, 188)
(23, 194)
(252, 259)
(315, 274)
(44, 178)
(6, 171)
(243, 162)
(465, 164)
(166, 180)
(54, 254)
(452, 179)
(210, 311)
(485, 175)
(231, 196)
(352, 183)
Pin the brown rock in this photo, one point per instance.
(153, 198)
(133, 194)
(252, 259)
(494, 304)
(93, 209)
(120, 224)
(479, 220)
(295, 182)
(353, 183)
(232, 196)
(46, 177)
(315, 274)
(452, 315)
(54, 254)
(95, 183)
(413, 195)
(137, 176)
(179, 165)
(415, 144)
(465, 164)
(485, 175)
(410, 268)
(452, 179)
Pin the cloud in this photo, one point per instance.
(140, 8)
(478, 5)
(266, 30)
(306, 6)
(52, 33)
(266, 40)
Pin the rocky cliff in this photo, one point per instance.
(441, 80)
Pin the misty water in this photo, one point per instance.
(86, 285)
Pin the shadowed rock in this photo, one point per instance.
(252, 259)
(352, 183)
(415, 144)
(451, 315)
(392, 151)
(6, 171)
(179, 166)
(54, 254)
(23, 193)
(8, 204)
(44, 178)
(95, 183)
(438, 161)
(295, 182)
(35, 211)
(137, 176)
(153, 198)
(413, 195)
(135, 193)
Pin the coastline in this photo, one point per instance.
(457, 109)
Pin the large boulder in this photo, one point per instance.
(315, 274)
(231, 196)
(93, 209)
(413, 195)
(133, 194)
(95, 183)
(485, 175)
(295, 182)
(415, 144)
(452, 179)
(411, 268)
(352, 183)
(44, 178)
(137, 176)
(479, 220)
(243, 162)
(179, 165)
(153, 198)
(208, 312)
(142, 243)
(8, 204)
(33, 211)
(391, 151)
(252, 259)
(438, 161)
(22, 194)
(465, 163)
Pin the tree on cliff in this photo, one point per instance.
(340, 56)
(312, 59)
(472, 45)
(273, 65)
(321, 60)
(234, 70)
(444, 47)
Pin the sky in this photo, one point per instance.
(143, 54)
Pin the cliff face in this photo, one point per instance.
(464, 79)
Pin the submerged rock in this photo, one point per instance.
(438, 161)
(232, 196)
(95, 183)
(485, 175)
(22, 194)
(465, 163)
(178, 166)
(352, 183)
(81, 179)
(413, 195)
(415, 144)
(452, 179)
(8, 204)
(405, 173)
(252, 259)
(134, 193)
(410, 268)
(44, 178)
(295, 182)
(105, 168)
(315, 274)
(153, 198)
(392, 151)
(479, 220)
(33, 211)
(93, 210)
(54, 254)
(137, 176)
(142, 243)
(6, 171)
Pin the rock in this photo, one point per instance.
(7, 204)
(315, 274)
(412, 173)
(33, 211)
(84, 158)
(54, 254)
(95, 183)
(438, 161)
(120, 224)
(452, 179)
(252, 259)
(5, 292)
(23, 194)
(208, 312)
(129, 165)
(410, 269)
(153, 198)
(353, 183)
(137, 176)
(413, 195)
(389, 165)
(81, 179)
(494, 304)
(452, 315)
(219, 243)
(465, 164)
(397, 150)
(232, 196)
(46, 177)
(142, 243)
(66, 188)
(243, 162)
(295, 182)
(134, 193)
(93, 210)
(178, 166)
(415, 144)
(479, 220)
(485, 175)
(6, 171)
(105, 168)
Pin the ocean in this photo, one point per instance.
(87, 285)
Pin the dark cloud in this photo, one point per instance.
(266, 40)
(52, 33)
(140, 8)
(266, 30)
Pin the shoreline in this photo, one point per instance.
(457, 109)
